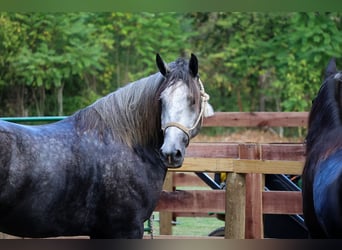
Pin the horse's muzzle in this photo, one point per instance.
(172, 158)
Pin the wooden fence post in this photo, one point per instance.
(254, 188)
(165, 218)
(235, 206)
(254, 210)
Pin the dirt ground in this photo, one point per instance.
(256, 136)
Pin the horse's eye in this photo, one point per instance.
(186, 140)
(191, 100)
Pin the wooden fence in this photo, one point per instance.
(244, 199)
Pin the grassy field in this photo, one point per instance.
(190, 226)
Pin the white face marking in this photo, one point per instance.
(176, 106)
(180, 119)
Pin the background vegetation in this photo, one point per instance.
(57, 63)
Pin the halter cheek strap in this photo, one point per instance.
(187, 131)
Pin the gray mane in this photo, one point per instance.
(130, 115)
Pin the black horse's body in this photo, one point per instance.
(99, 172)
(322, 174)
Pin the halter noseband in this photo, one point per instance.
(187, 131)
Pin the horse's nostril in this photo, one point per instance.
(172, 156)
(178, 154)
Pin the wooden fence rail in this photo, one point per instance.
(257, 119)
(244, 200)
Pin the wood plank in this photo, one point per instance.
(254, 188)
(239, 166)
(268, 151)
(254, 211)
(213, 150)
(283, 151)
(235, 206)
(273, 202)
(187, 180)
(199, 164)
(165, 217)
(192, 201)
(282, 202)
(249, 151)
(257, 119)
(267, 167)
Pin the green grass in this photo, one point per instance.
(196, 226)
(190, 226)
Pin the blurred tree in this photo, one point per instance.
(77, 57)
(56, 63)
(266, 61)
(47, 51)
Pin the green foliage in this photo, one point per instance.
(267, 61)
(137, 38)
(54, 63)
(48, 50)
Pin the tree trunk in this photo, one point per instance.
(20, 100)
(60, 99)
(38, 95)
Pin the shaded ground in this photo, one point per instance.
(257, 136)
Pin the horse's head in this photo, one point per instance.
(184, 104)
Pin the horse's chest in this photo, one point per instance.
(128, 177)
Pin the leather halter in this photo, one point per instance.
(187, 131)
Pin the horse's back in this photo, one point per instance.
(35, 146)
(327, 194)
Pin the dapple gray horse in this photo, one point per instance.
(100, 171)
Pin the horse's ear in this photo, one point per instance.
(331, 68)
(193, 65)
(161, 65)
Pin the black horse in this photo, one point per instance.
(100, 171)
(322, 174)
